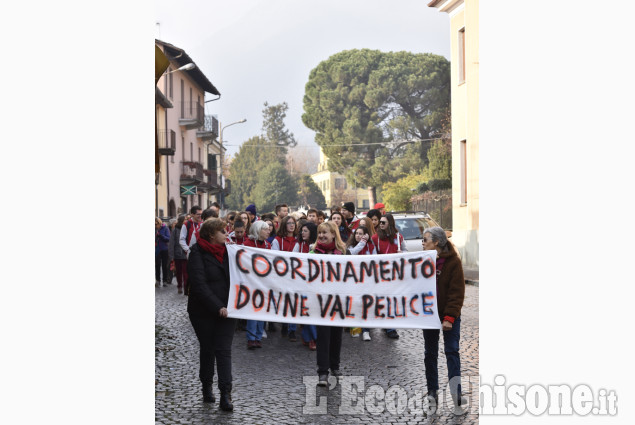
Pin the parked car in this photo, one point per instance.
(412, 226)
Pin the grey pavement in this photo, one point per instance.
(268, 382)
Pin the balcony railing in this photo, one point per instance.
(192, 115)
(191, 170)
(167, 142)
(212, 176)
(209, 131)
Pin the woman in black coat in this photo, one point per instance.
(208, 279)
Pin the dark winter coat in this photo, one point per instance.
(208, 281)
(161, 238)
(450, 284)
(174, 248)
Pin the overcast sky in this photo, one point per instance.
(263, 50)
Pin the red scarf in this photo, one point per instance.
(213, 248)
(326, 249)
(290, 243)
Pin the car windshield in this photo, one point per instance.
(410, 227)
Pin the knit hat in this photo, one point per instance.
(379, 205)
(251, 208)
(349, 206)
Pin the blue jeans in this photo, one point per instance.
(292, 327)
(451, 349)
(309, 333)
(254, 330)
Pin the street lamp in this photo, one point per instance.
(186, 67)
(222, 204)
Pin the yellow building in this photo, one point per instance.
(465, 151)
(336, 189)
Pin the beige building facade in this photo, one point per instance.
(464, 27)
(187, 138)
(336, 189)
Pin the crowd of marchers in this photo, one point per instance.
(192, 250)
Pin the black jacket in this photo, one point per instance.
(208, 281)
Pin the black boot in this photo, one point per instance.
(208, 393)
(226, 403)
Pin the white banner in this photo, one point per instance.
(369, 291)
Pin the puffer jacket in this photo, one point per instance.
(450, 284)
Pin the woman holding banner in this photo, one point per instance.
(306, 238)
(285, 240)
(388, 240)
(208, 279)
(258, 234)
(450, 294)
(329, 338)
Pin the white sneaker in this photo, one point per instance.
(264, 334)
(430, 406)
(366, 336)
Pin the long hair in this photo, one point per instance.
(180, 221)
(282, 229)
(391, 230)
(352, 241)
(332, 228)
(247, 222)
(367, 223)
(312, 232)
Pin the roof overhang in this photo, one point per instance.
(179, 56)
(160, 99)
(446, 5)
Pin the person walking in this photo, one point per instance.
(306, 239)
(450, 296)
(388, 240)
(208, 275)
(177, 254)
(329, 338)
(258, 234)
(161, 256)
(185, 236)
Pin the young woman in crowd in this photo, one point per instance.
(246, 218)
(360, 244)
(208, 280)
(388, 240)
(177, 254)
(374, 216)
(340, 223)
(450, 295)
(285, 240)
(258, 234)
(272, 228)
(306, 238)
(329, 338)
(368, 223)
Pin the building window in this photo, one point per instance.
(365, 203)
(191, 152)
(190, 101)
(199, 154)
(183, 147)
(461, 51)
(167, 78)
(463, 171)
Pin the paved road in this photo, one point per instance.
(268, 382)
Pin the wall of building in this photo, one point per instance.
(465, 127)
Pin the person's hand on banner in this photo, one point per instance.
(446, 326)
(222, 312)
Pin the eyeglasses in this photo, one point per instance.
(231, 218)
(383, 222)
